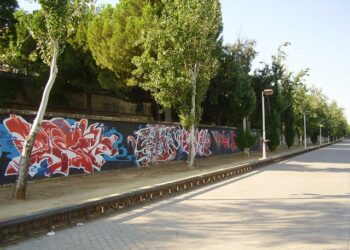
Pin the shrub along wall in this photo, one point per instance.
(72, 144)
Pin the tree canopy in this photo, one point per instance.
(180, 57)
(114, 37)
(170, 50)
(231, 95)
(182, 42)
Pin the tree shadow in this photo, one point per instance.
(192, 219)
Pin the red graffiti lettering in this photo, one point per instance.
(225, 139)
(59, 146)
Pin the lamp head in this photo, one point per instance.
(268, 91)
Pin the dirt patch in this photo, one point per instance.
(62, 191)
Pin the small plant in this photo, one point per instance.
(245, 139)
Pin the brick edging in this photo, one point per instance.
(39, 223)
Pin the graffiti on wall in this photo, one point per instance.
(225, 139)
(159, 143)
(64, 146)
(60, 146)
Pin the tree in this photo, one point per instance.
(269, 78)
(272, 77)
(50, 26)
(336, 123)
(317, 103)
(180, 58)
(7, 35)
(78, 69)
(288, 113)
(7, 21)
(300, 102)
(245, 139)
(230, 96)
(21, 51)
(114, 37)
(289, 126)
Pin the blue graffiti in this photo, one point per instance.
(42, 170)
(119, 146)
(6, 143)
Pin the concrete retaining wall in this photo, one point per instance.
(73, 144)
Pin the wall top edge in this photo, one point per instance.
(100, 117)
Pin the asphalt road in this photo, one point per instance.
(302, 203)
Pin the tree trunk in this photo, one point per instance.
(245, 124)
(167, 115)
(245, 128)
(156, 111)
(192, 150)
(21, 183)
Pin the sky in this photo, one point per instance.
(318, 31)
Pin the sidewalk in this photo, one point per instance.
(58, 192)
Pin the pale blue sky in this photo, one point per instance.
(318, 30)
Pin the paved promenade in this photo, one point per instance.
(302, 203)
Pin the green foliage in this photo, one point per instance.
(335, 123)
(299, 100)
(21, 53)
(7, 22)
(53, 24)
(245, 139)
(273, 131)
(78, 69)
(114, 36)
(287, 113)
(157, 44)
(180, 49)
(280, 106)
(289, 126)
(231, 95)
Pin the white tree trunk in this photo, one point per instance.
(192, 150)
(244, 123)
(245, 128)
(21, 183)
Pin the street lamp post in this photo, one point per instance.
(305, 130)
(305, 142)
(321, 134)
(264, 92)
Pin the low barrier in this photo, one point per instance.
(22, 227)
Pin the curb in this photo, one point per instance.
(38, 223)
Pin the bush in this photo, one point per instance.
(273, 131)
(289, 119)
(245, 139)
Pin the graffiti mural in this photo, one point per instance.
(159, 143)
(225, 139)
(60, 146)
(67, 146)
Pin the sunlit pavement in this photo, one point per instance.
(302, 203)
